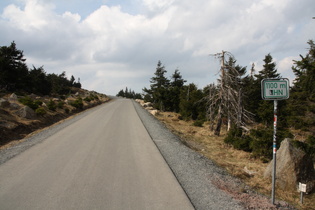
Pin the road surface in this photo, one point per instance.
(105, 160)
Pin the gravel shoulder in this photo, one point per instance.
(207, 185)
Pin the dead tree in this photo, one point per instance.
(226, 99)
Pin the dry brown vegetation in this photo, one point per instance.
(238, 163)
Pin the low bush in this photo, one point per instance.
(52, 105)
(198, 123)
(88, 99)
(27, 101)
(239, 141)
(40, 111)
(77, 103)
(258, 141)
(306, 147)
(60, 104)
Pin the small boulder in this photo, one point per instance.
(148, 104)
(13, 97)
(7, 124)
(140, 101)
(4, 103)
(26, 112)
(15, 106)
(33, 96)
(149, 108)
(293, 166)
(154, 112)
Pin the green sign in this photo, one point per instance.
(275, 89)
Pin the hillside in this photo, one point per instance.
(17, 119)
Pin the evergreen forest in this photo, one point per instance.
(15, 76)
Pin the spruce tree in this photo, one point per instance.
(159, 91)
(191, 104)
(269, 69)
(176, 85)
(302, 95)
(13, 69)
(265, 108)
(304, 71)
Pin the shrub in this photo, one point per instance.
(77, 103)
(239, 141)
(27, 101)
(60, 104)
(88, 99)
(261, 144)
(52, 105)
(67, 110)
(307, 148)
(40, 111)
(198, 123)
(310, 140)
(38, 102)
(95, 97)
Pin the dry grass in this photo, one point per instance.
(238, 163)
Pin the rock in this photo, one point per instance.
(4, 103)
(7, 124)
(149, 108)
(249, 172)
(148, 104)
(154, 112)
(26, 112)
(293, 166)
(33, 96)
(13, 97)
(140, 101)
(15, 106)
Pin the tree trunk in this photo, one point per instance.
(218, 128)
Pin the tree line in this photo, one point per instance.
(235, 101)
(128, 93)
(16, 76)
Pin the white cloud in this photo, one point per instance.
(110, 48)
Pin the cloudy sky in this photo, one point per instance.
(111, 44)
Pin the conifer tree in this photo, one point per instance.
(269, 69)
(265, 108)
(13, 69)
(304, 71)
(176, 85)
(159, 91)
(302, 95)
(191, 106)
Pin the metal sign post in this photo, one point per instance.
(302, 188)
(274, 89)
(274, 146)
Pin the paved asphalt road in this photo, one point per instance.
(105, 160)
